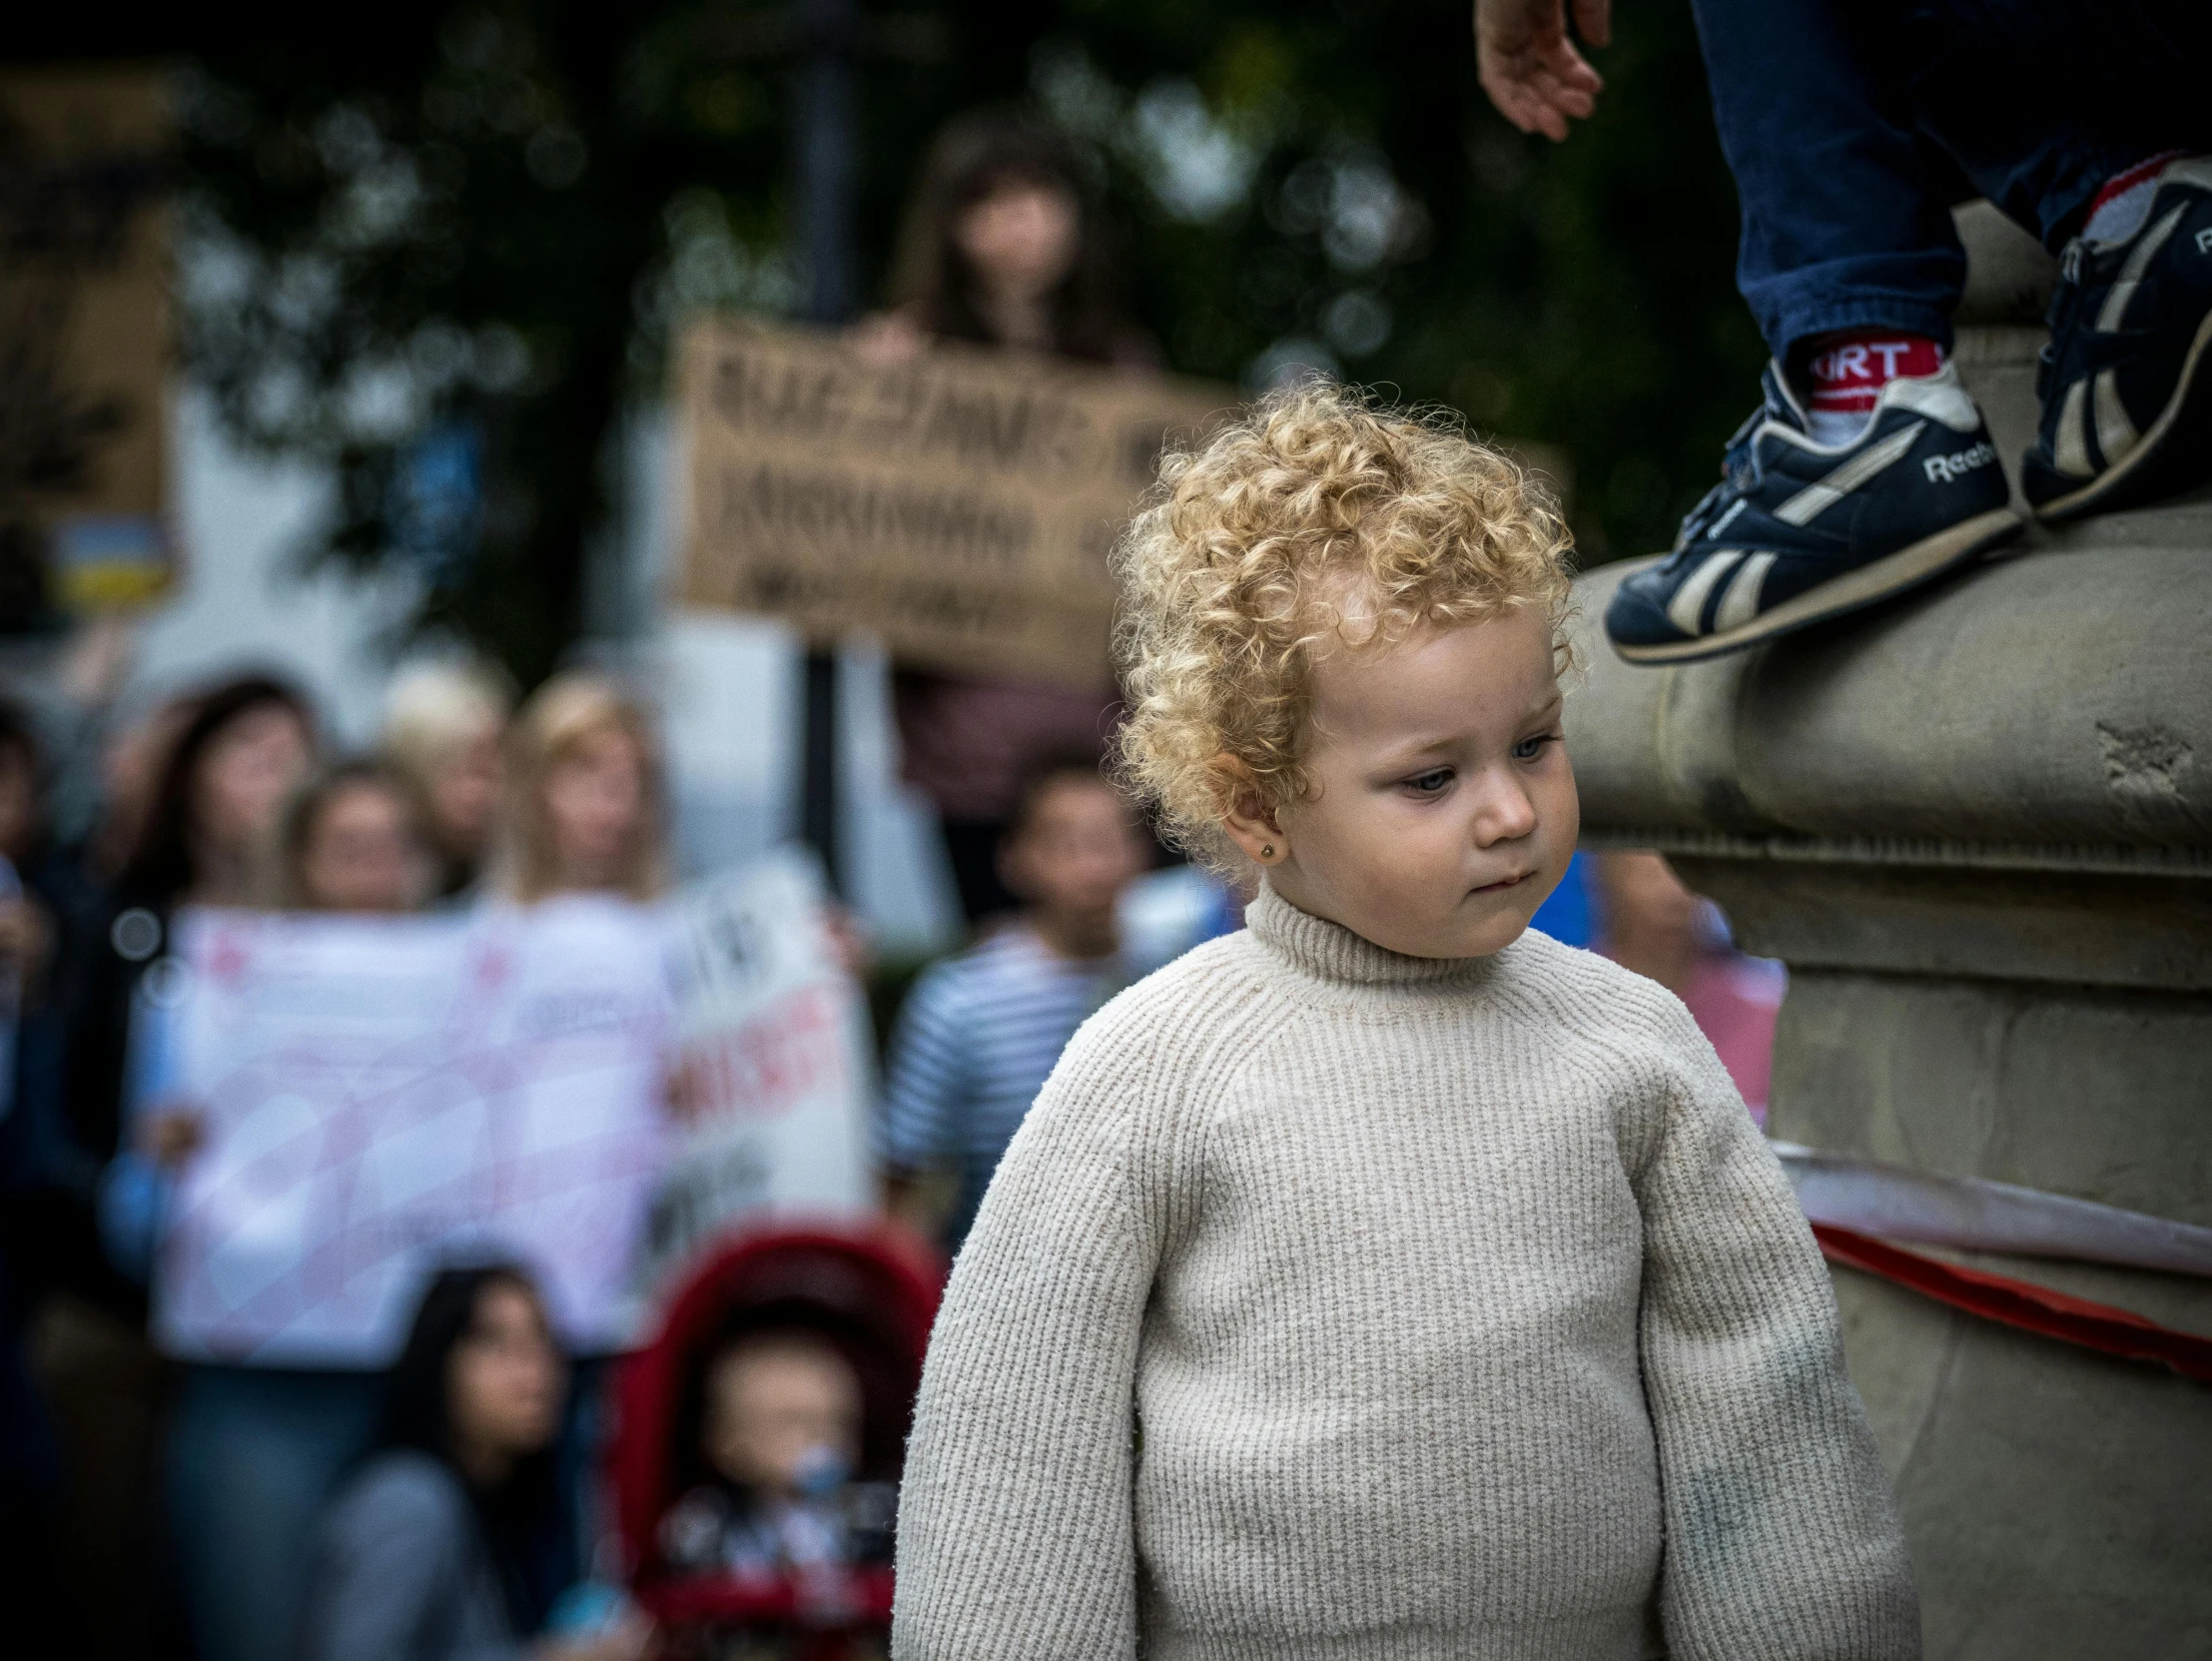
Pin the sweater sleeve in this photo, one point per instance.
(1014, 1529)
(1781, 1533)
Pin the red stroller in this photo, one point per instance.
(872, 1293)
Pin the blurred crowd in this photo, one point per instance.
(249, 1510)
(141, 1490)
(475, 1498)
(244, 1510)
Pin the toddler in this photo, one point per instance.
(1386, 1279)
(780, 1431)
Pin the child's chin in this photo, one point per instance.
(1493, 937)
(1462, 937)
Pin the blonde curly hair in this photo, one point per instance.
(1322, 517)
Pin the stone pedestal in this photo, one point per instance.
(1977, 826)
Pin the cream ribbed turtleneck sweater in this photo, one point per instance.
(1333, 1303)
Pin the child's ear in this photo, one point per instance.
(1246, 814)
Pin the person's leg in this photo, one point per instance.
(2089, 123)
(1844, 224)
(254, 1455)
(102, 1385)
(30, 1495)
(1867, 470)
(2042, 102)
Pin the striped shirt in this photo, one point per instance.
(978, 1037)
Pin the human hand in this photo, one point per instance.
(174, 1134)
(25, 935)
(887, 339)
(1529, 68)
(98, 659)
(849, 942)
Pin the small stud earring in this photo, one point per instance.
(1267, 850)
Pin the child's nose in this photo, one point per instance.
(1504, 814)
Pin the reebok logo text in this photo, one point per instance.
(1942, 470)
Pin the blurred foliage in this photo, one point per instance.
(450, 250)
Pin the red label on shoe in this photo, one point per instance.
(1850, 371)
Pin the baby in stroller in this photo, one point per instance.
(758, 1442)
(780, 1431)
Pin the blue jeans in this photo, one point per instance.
(254, 1456)
(1852, 125)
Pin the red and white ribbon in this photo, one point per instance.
(1849, 1202)
(1896, 1202)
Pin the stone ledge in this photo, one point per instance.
(2008, 273)
(1985, 923)
(2042, 701)
(2192, 863)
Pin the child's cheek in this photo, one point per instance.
(1565, 811)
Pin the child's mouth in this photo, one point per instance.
(1500, 887)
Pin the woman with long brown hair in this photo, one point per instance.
(446, 1544)
(213, 775)
(1003, 246)
(255, 1448)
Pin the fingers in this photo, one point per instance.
(1539, 94)
(1524, 109)
(1569, 73)
(1529, 68)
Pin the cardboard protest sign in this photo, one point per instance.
(774, 1042)
(958, 504)
(380, 1094)
(84, 324)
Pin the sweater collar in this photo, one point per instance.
(1332, 952)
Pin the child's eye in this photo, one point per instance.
(1428, 784)
(1528, 749)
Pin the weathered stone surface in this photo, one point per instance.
(2030, 923)
(2008, 273)
(1977, 825)
(2057, 696)
(2055, 1499)
(2049, 1515)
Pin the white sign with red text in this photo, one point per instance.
(775, 1060)
(379, 1096)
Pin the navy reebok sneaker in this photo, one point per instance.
(1797, 533)
(2125, 381)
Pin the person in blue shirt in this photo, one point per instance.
(981, 1028)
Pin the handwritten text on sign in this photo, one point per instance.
(775, 1043)
(958, 504)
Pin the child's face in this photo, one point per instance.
(1077, 849)
(780, 1417)
(1443, 809)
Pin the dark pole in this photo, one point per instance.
(825, 144)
